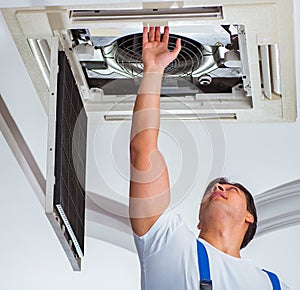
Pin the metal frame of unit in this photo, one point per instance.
(266, 44)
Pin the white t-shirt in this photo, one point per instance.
(168, 258)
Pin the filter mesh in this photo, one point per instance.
(70, 160)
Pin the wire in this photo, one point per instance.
(212, 53)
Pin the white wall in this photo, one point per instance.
(31, 256)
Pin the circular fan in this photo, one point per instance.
(128, 55)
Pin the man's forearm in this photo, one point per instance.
(149, 179)
(146, 113)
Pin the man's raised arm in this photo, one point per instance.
(149, 182)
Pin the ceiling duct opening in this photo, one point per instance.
(236, 59)
(204, 70)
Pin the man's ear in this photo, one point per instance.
(199, 226)
(249, 218)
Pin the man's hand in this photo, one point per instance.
(156, 55)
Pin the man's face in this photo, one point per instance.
(223, 191)
(222, 201)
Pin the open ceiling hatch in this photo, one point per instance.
(236, 62)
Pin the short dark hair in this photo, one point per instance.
(250, 207)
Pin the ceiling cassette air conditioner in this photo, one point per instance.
(236, 63)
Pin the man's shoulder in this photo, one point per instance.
(169, 228)
(166, 224)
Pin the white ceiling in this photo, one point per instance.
(262, 156)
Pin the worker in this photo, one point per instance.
(171, 257)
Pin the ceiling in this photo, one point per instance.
(262, 156)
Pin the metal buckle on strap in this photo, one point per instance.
(205, 285)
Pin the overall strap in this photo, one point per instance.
(204, 270)
(274, 280)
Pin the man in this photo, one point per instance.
(227, 219)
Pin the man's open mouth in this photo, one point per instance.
(216, 194)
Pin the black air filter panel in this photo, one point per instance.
(70, 160)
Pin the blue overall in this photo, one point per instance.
(204, 270)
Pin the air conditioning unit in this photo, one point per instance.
(236, 63)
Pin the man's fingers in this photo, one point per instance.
(157, 33)
(151, 34)
(166, 35)
(145, 35)
(177, 48)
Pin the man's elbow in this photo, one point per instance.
(140, 149)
